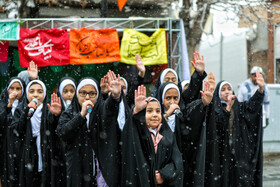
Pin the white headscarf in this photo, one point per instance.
(62, 85)
(83, 83)
(164, 72)
(168, 87)
(15, 103)
(36, 122)
(171, 119)
(184, 83)
(121, 115)
(87, 82)
(221, 85)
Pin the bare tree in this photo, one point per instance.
(195, 13)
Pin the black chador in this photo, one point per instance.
(37, 132)
(234, 142)
(190, 133)
(59, 150)
(92, 143)
(139, 160)
(10, 143)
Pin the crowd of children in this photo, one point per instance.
(113, 134)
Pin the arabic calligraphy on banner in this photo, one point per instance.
(94, 46)
(153, 50)
(9, 31)
(46, 47)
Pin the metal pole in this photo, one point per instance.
(221, 56)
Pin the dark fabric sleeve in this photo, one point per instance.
(173, 171)
(3, 116)
(135, 167)
(68, 126)
(19, 120)
(222, 116)
(130, 92)
(110, 111)
(194, 114)
(193, 91)
(52, 120)
(108, 135)
(104, 96)
(255, 101)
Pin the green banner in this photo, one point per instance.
(9, 31)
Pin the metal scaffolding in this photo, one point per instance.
(146, 25)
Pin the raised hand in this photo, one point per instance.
(140, 66)
(260, 81)
(140, 99)
(198, 62)
(55, 106)
(32, 70)
(230, 101)
(114, 84)
(12, 98)
(104, 85)
(211, 80)
(207, 95)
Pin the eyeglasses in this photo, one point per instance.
(90, 94)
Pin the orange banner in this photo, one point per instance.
(121, 4)
(94, 46)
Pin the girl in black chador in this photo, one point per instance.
(10, 143)
(34, 121)
(150, 156)
(234, 138)
(66, 90)
(188, 128)
(88, 128)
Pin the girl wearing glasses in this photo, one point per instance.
(83, 128)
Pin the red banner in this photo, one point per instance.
(4, 48)
(46, 47)
(94, 46)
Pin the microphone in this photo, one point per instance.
(89, 108)
(32, 110)
(68, 103)
(177, 112)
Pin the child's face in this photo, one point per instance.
(36, 91)
(171, 97)
(153, 114)
(68, 92)
(225, 92)
(170, 77)
(15, 87)
(87, 92)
